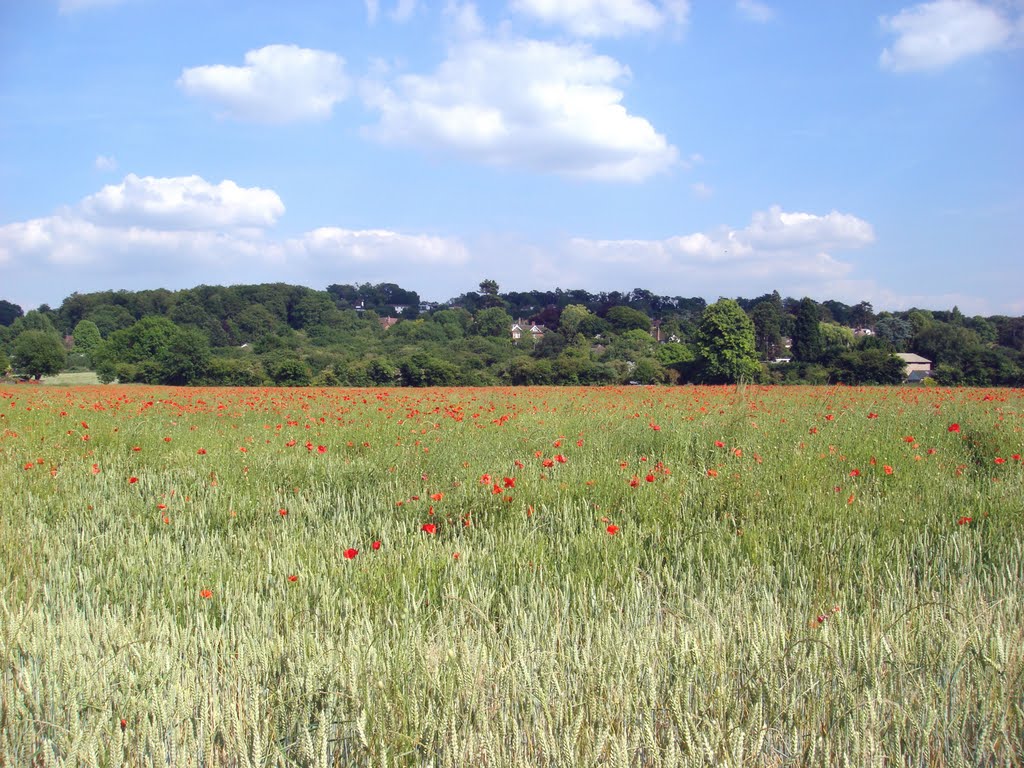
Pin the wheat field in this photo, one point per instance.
(688, 576)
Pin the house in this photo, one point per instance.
(859, 332)
(521, 328)
(916, 368)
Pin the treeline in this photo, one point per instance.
(384, 335)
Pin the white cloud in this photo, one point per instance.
(934, 35)
(755, 11)
(404, 10)
(463, 19)
(181, 232)
(105, 163)
(278, 84)
(372, 10)
(524, 103)
(334, 244)
(775, 243)
(184, 202)
(605, 18)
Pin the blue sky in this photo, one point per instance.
(847, 149)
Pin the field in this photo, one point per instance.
(511, 577)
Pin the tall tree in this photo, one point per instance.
(725, 344)
(9, 312)
(807, 341)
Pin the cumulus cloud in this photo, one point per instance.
(605, 18)
(524, 103)
(277, 84)
(774, 243)
(935, 35)
(755, 11)
(183, 202)
(186, 231)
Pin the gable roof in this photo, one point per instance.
(910, 357)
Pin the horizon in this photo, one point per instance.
(709, 149)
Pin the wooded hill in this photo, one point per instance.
(383, 335)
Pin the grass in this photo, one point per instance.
(705, 577)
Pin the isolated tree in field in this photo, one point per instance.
(807, 342)
(725, 344)
(37, 354)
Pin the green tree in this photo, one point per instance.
(807, 341)
(34, 320)
(725, 344)
(5, 365)
(87, 336)
(624, 319)
(572, 319)
(38, 354)
(493, 321)
(767, 319)
(9, 312)
(185, 359)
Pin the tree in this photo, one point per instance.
(767, 319)
(186, 358)
(5, 365)
(87, 337)
(725, 344)
(38, 354)
(627, 319)
(807, 342)
(9, 312)
(493, 321)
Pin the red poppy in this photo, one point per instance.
(206, 594)
(965, 520)
(712, 473)
(649, 478)
(633, 483)
(854, 473)
(429, 528)
(510, 482)
(201, 451)
(548, 463)
(124, 724)
(132, 480)
(612, 529)
(282, 512)
(293, 577)
(888, 469)
(561, 459)
(350, 554)
(321, 449)
(954, 427)
(719, 444)
(436, 496)
(1000, 460)
(375, 546)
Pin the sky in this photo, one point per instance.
(856, 150)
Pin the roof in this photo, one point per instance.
(910, 357)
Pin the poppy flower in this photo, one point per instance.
(561, 459)
(375, 546)
(612, 529)
(954, 428)
(124, 724)
(350, 553)
(888, 469)
(649, 478)
(293, 578)
(510, 482)
(321, 449)
(965, 520)
(712, 473)
(1000, 460)
(282, 512)
(634, 482)
(201, 451)
(132, 480)
(429, 528)
(436, 496)
(854, 473)
(206, 594)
